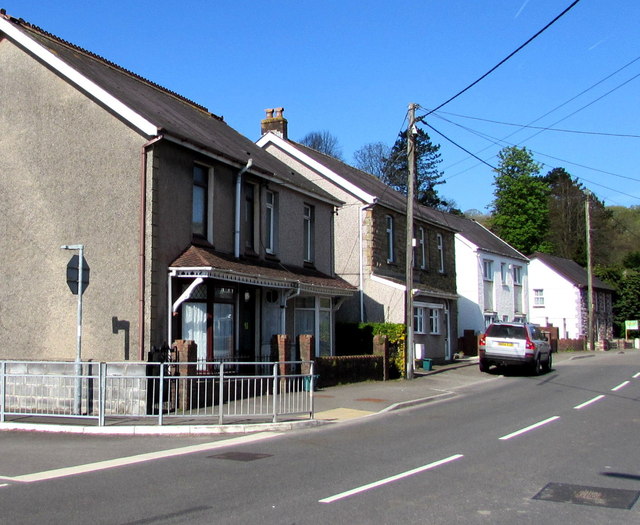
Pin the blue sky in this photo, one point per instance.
(352, 67)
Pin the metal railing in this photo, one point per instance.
(160, 393)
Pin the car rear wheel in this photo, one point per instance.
(536, 367)
(483, 365)
(548, 363)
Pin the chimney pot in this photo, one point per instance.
(277, 124)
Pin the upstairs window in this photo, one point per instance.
(249, 226)
(421, 258)
(538, 297)
(200, 224)
(440, 246)
(391, 255)
(487, 270)
(503, 273)
(271, 222)
(517, 275)
(309, 234)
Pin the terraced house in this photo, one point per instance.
(370, 245)
(190, 230)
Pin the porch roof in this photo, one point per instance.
(200, 261)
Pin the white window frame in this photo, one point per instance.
(422, 252)
(391, 253)
(418, 319)
(538, 297)
(434, 321)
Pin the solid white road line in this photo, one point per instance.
(636, 376)
(587, 403)
(140, 458)
(391, 479)
(621, 385)
(522, 431)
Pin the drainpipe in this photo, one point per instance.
(236, 233)
(283, 306)
(142, 243)
(361, 262)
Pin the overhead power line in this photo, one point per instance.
(544, 128)
(459, 146)
(502, 61)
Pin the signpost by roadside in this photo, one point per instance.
(630, 326)
(78, 280)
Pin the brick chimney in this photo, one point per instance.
(277, 124)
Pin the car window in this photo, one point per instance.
(507, 331)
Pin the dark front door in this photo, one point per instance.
(247, 326)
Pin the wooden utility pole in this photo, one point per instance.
(587, 214)
(408, 311)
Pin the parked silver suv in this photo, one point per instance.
(515, 344)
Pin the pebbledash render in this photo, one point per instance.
(191, 231)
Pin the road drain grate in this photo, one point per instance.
(240, 456)
(583, 495)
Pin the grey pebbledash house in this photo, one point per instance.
(370, 250)
(191, 231)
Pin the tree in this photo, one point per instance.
(324, 142)
(567, 222)
(567, 234)
(627, 304)
(427, 174)
(520, 208)
(627, 232)
(371, 158)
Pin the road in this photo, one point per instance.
(558, 448)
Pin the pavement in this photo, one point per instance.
(331, 405)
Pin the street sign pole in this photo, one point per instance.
(77, 396)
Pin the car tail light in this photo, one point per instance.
(530, 345)
(483, 340)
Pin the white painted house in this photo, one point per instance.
(558, 296)
(491, 277)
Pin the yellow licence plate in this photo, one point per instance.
(505, 344)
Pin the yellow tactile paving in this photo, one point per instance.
(342, 414)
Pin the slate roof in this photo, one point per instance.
(173, 114)
(253, 271)
(483, 238)
(570, 270)
(374, 186)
